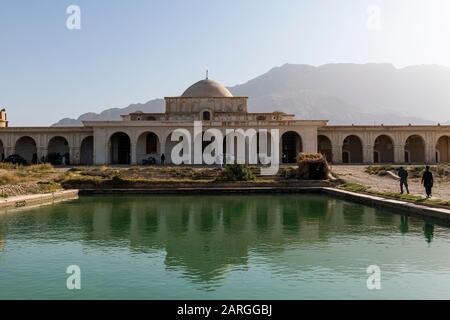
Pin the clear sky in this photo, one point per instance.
(137, 50)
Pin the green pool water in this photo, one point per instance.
(220, 247)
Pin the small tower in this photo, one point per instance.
(3, 120)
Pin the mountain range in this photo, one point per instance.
(342, 93)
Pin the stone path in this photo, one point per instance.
(357, 174)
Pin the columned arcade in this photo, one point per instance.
(137, 136)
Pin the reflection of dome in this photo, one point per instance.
(207, 89)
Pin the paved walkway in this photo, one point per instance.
(357, 174)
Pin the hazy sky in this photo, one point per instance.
(136, 50)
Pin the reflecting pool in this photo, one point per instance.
(220, 247)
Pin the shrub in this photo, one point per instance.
(48, 186)
(117, 180)
(312, 166)
(288, 173)
(237, 172)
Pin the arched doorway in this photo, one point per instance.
(291, 146)
(120, 148)
(27, 149)
(352, 150)
(415, 149)
(443, 150)
(2, 151)
(87, 151)
(58, 151)
(148, 146)
(324, 147)
(383, 150)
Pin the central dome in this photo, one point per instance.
(207, 89)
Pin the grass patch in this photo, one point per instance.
(81, 180)
(8, 178)
(441, 170)
(380, 170)
(405, 197)
(354, 187)
(49, 186)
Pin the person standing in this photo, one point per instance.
(163, 159)
(403, 174)
(427, 181)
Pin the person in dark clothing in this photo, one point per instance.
(163, 159)
(403, 174)
(427, 181)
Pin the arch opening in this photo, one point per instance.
(27, 149)
(2, 151)
(443, 150)
(120, 148)
(325, 148)
(383, 150)
(352, 150)
(87, 151)
(291, 146)
(148, 145)
(415, 149)
(58, 152)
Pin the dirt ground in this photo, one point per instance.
(357, 174)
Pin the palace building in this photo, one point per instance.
(138, 136)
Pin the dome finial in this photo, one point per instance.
(206, 74)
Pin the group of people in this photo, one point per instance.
(427, 181)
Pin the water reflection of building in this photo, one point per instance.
(204, 237)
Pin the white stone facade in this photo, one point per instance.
(139, 136)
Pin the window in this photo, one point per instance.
(206, 116)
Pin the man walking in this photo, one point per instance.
(427, 181)
(163, 159)
(403, 174)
